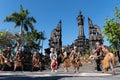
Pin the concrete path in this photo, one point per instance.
(87, 72)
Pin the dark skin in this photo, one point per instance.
(99, 48)
(75, 60)
(104, 49)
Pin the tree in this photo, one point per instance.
(112, 30)
(35, 39)
(21, 20)
(6, 39)
(41, 39)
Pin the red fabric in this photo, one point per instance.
(54, 64)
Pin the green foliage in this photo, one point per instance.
(88, 52)
(6, 39)
(112, 49)
(112, 28)
(33, 40)
(28, 37)
(21, 19)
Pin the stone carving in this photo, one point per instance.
(53, 33)
(90, 23)
(98, 30)
(95, 34)
(80, 19)
(81, 42)
(55, 38)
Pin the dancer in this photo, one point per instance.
(65, 60)
(53, 57)
(75, 59)
(108, 60)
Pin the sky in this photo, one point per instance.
(49, 12)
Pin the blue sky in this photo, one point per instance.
(49, 12)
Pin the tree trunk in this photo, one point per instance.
(20, 33)
(118, 54)
(42, 46)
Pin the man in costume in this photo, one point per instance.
(99, 56)
(65, 60)
(75, 59)
(108, 60)
(19, 59)
(36, 60)
(7, 54)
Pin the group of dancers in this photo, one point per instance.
(67, 60)
(101, 55)
(103, 58)
(6, 59)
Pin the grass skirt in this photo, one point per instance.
(66, 63)
(107, 59)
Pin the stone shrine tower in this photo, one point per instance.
(56, 37)
(83, 44)
(80, 20)
(80, 41)
(95, 34)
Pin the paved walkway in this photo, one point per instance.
(56, 76)
(87, 72)
(48, 74)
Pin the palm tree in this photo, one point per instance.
(41, 39)
(21, 20)
(35, 39)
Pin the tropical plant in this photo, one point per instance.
(35, 39)
(88, 52)
(112, 30)
(22, 20)
(6, 39)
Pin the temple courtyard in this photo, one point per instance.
(87, 72)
